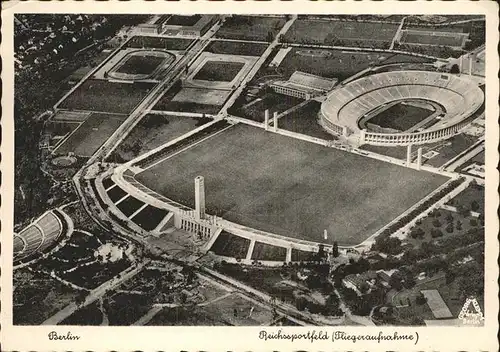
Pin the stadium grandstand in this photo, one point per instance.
(304, 85)
(38, 236)
(342, 111)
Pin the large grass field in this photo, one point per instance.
(159, 43)
(103, 96)
(153, 131)
(141, 64)
(91, 134)
(251, 28)
(291, 187)
(431, 39)
(329, 63)
(178, 20)
(236, 48)
(221, 71)
(342, 33)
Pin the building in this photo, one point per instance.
(154, 25)
(361, 283)
(304, 85)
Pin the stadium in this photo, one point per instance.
(345, 107)
(39, 236)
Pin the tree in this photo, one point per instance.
(449, 227)
(474, 205)
(435, 233)
(420, 299)
(335, 249)
(436, 223)
(449, 218)
(459, 225)
(473, 222)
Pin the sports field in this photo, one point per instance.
(431, 38)
(178, 20)
(221, 71)
(291, 187)
(342, 33)
(91, 134)
(329, 63)
(400, 117)
(141, 64)
(159, 43)
(153, 131)
(103, 96)
(251, 28)
(236, 48)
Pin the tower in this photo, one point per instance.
(199, 197)
(419, 158)
(266, 119)
(408, 155)
(275, 121)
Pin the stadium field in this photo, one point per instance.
(153, 131)
(251, 28)
(236, 48)
(141, 64)
(159, 43)
(342, 33)
(221, 71)
(328, 63)
(104, 96)
(291, 187)
(230, 245)
(91, 134)
(400, 117)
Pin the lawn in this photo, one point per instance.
(264, 251)
(141, 64)
(187, 21)
(329, 63)
(129, 205)
(159, 43)
(149, 217)
(219, 71)
(400, 117)
(153, 131)
(251, 28)
(236, 48)
(341, 33)
(230, 245)
(272, 101)
(429, 39)
(91, 134)
(103, 96)
(305, 121)
(291, 187)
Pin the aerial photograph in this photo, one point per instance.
(249, 170)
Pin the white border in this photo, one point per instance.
(243, 338)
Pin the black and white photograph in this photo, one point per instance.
(258, 170)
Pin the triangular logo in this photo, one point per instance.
(471, 312)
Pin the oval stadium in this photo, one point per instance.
(349, 109)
